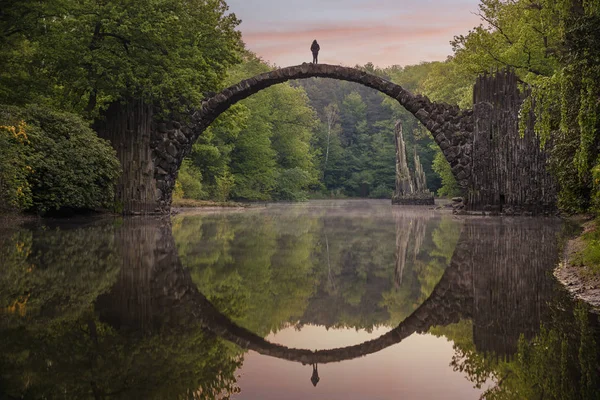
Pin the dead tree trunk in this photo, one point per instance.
(404, 184)
(409, 191)
(420, 179)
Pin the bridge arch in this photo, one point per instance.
(447, 304)
(451, 127)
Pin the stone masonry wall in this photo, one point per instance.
(171, 141)
(509, 171)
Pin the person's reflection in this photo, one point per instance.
(315, 376)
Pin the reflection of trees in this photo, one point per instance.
(378, 268)
(35, 266)
(430, 244)
(477, 366)
(256, 268)
(523, 333)
(560, 362)
(266, 269)
(60, 347)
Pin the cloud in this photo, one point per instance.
(354, 43)
(380, 31)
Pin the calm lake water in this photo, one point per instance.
(348, 299)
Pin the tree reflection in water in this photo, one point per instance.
(81, 318)
(114, 309)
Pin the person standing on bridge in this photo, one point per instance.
(315, 50)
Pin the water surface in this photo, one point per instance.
(326, 299)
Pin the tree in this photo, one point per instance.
(118, 63)
(61, 164)
(521, 35)
(332, 114)
(441, 166)
(84, 55)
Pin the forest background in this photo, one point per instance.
(64, 62)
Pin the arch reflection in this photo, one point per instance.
(496, 278)
(115, 296)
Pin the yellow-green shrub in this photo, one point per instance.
(64, 163)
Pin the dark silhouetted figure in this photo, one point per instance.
(315, 375)
(315, 50)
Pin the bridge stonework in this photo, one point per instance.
(171, 141)
(496, 169)
(509, 173)
(451, 127)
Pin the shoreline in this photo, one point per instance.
(573, 275)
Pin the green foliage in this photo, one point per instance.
(190, 181)
(291, 184)
(354, 143)
(15, 190)
(566, 109)
(224, 185)
(515, 34)
(177, 191)
(440, 165)
(80, 56)
(448, 82)
(71, 168)
(381, 192)
(589, 257)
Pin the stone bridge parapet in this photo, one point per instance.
(451, 128)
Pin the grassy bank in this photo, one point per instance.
(587, 252)
(580, 270)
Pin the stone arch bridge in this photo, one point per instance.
(451, 127)
(488, 158)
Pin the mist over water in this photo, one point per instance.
(365, 299)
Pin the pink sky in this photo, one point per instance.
(384, 32)
(417, 368)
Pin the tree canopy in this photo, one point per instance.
(80, 56)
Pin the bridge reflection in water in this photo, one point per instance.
(112, 307)
(498, 277)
